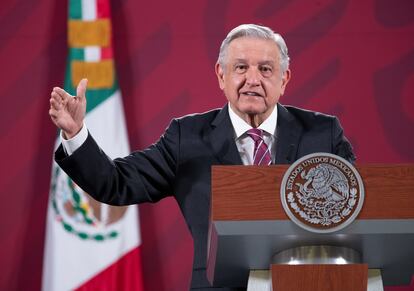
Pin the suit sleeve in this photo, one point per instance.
(341, 145)
(142, 176)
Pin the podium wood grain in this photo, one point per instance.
(320, 277)
(388, 192)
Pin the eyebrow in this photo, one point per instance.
(266, 62)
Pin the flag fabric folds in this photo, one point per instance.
(89, 245)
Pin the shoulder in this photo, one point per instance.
(200, 117)
(198, 121)
(307, 114)
(307, 118)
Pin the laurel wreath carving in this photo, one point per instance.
(69, 227)
(324, 213)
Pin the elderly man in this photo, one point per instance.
(253, 128)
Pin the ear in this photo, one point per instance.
(285, 79)
(220, 75)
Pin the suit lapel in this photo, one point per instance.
(221, 139)
(288, 133)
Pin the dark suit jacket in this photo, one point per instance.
(179, 163)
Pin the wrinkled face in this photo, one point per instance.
(251, 78)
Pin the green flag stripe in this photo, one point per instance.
(75, 9)
(96, 97)
(77, 54)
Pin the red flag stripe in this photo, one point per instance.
(102, 9)
(125, 274)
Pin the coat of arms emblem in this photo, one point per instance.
(80, 214)
(322, 192)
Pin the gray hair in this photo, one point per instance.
(256, 31)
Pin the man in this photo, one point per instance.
(253, 71)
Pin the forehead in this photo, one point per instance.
(250, 48)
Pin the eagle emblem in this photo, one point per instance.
(322, 192)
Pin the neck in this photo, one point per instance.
(254, 120)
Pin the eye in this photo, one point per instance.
(240, 68)
(266, 70)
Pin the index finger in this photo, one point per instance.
(62, 93)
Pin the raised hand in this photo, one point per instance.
(66, 111)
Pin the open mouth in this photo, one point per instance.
(251, 93)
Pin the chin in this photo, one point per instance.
(253, 110)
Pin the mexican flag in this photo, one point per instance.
(89, 245)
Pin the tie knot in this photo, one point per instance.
(255, 133)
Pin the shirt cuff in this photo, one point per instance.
(72, 144)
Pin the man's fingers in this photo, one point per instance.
(53, 113)
(56, 96)
(56, 100)
(61, 93)
(55, 104)
(81, 89)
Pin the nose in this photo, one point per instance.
(253, 76)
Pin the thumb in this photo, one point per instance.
(81, 89)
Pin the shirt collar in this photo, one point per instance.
(240, 126)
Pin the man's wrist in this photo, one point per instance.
(72, 144)
(69, 135)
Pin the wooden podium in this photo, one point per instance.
(248, 226)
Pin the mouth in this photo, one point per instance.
(251, 93)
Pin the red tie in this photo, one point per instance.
(261, 155)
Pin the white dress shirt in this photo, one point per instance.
(245, 143)
(72, 144)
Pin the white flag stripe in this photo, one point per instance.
(106, 123)
(89, 10)
(92, 53)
